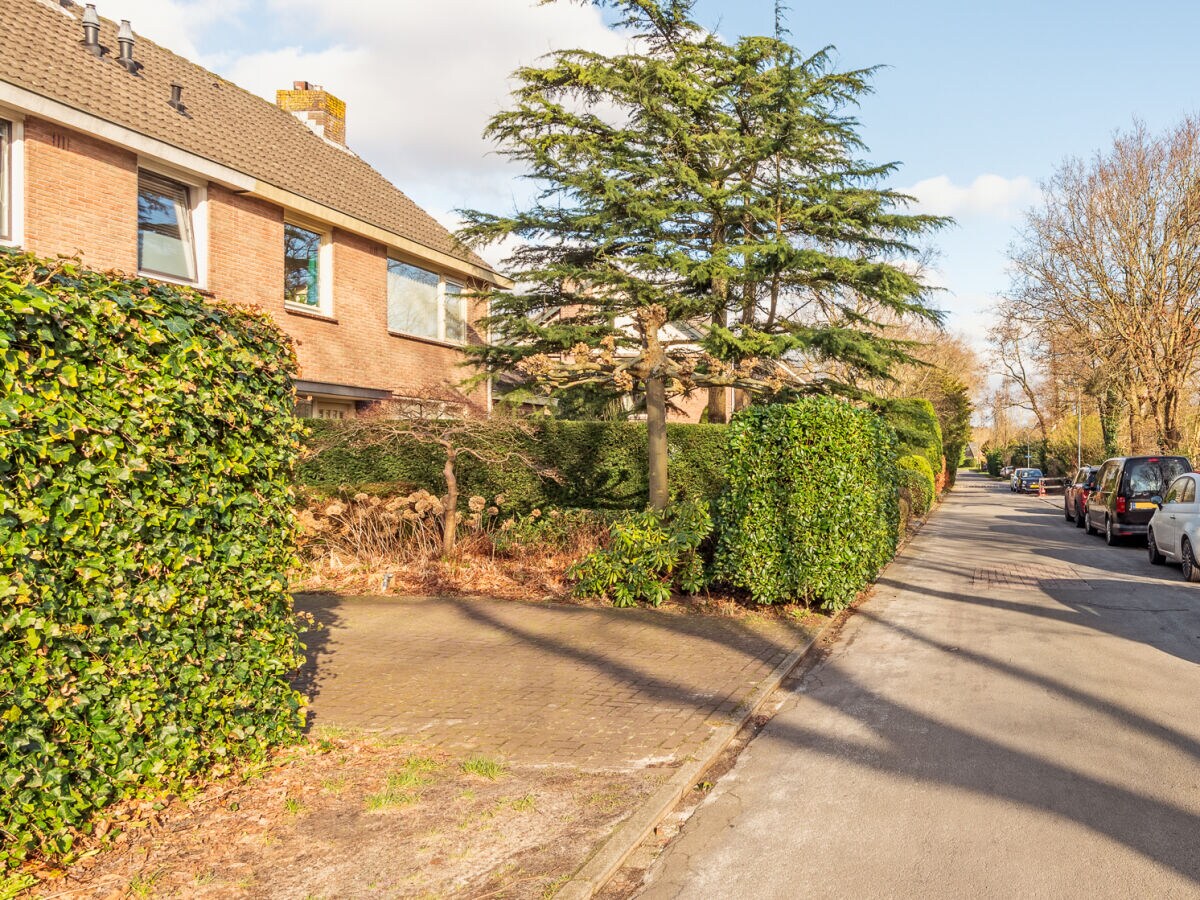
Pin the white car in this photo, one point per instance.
(1174, 532)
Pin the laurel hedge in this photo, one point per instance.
(599, 465)
(811, 509)
(146, 633)
(917, 483)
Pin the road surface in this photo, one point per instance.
(1014, 713)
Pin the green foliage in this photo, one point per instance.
(553, 530)
(953, 410)
(146, 631)
(917, 428)
(648, 554)
(601, 465)
(811, 510)
(917, 483)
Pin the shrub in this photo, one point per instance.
(918, 431)
(811, 511)
(601, 465)
(648, 554)
(917, 483)
(146, 633)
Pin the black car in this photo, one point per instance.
(1075, 494)
(1026, 480)
(1128, 491)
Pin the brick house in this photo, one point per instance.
(116, 149)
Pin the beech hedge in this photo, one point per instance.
(147, 443)
(601, 465)
(811, 509)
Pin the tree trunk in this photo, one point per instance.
(656, 432)
(450, 505)
(1108, 406)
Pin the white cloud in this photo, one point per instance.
(991, 196)
(420, 80)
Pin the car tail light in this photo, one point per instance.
(1120, 505)
(1083, 495)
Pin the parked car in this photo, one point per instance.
(1026, 480)
(1006, 472)
(1128, 490)
(1076, 491)
(1174, 531)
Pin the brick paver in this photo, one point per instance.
(535, 683)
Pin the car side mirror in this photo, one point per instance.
(1157, 501)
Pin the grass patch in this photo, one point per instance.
(404, 787)
(483, 767)
(527, 803)
(14, 884)
(143, 885)
(294, 805)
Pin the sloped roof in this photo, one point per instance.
(41, 51)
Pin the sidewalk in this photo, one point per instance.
(536, 684)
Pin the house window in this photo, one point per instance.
(454, 320)
(424, 304)
(5, 180)
(165, 244)
(302, 268)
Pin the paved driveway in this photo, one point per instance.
(1016, 713)
(536, 683)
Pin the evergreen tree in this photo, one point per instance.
(692, 180)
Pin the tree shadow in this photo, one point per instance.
(317, 640)
(911, 745)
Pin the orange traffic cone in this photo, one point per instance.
(1041, 489)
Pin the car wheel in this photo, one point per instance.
(1110, 536)
(1079, 516)
(1191, 569)
(1087, 523)
(1156, 557)
(1067, 512)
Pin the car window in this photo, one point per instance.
(1189, 491)
(1175, 494)
(1147, 477)
(1108, 475)
(1034, 473)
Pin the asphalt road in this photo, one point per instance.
(1015, 713)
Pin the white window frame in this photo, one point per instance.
(324, 308)
(16, 178)
(198, 212)
(464, 303)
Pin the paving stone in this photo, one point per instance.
(536, 683)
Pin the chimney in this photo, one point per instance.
(125, 42)
(91, 30)
(324, 113)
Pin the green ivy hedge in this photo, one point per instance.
(602, 465)
(146, 632)
(917, 483)
(918, 431)
(811, 510)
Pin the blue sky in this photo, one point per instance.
(979, 102)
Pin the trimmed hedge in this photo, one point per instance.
(917, 482)
(146, 631)
(602, 465)
(918, 431)
(811, 511)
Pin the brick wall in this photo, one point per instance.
(80, 197)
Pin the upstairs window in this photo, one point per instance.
(5, 179)
(423, 304)
(302, 268)
(165, 242)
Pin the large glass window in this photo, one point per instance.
(5, 179)
(412, 301)
(165, 244)
(301, 266)
(455, 321)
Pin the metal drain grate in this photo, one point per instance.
(1030, 578)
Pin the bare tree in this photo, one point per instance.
(1108, 268)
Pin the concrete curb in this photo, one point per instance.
(594, 874)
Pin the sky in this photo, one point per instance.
(978, 102)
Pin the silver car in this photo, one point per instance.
(1174, 532)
